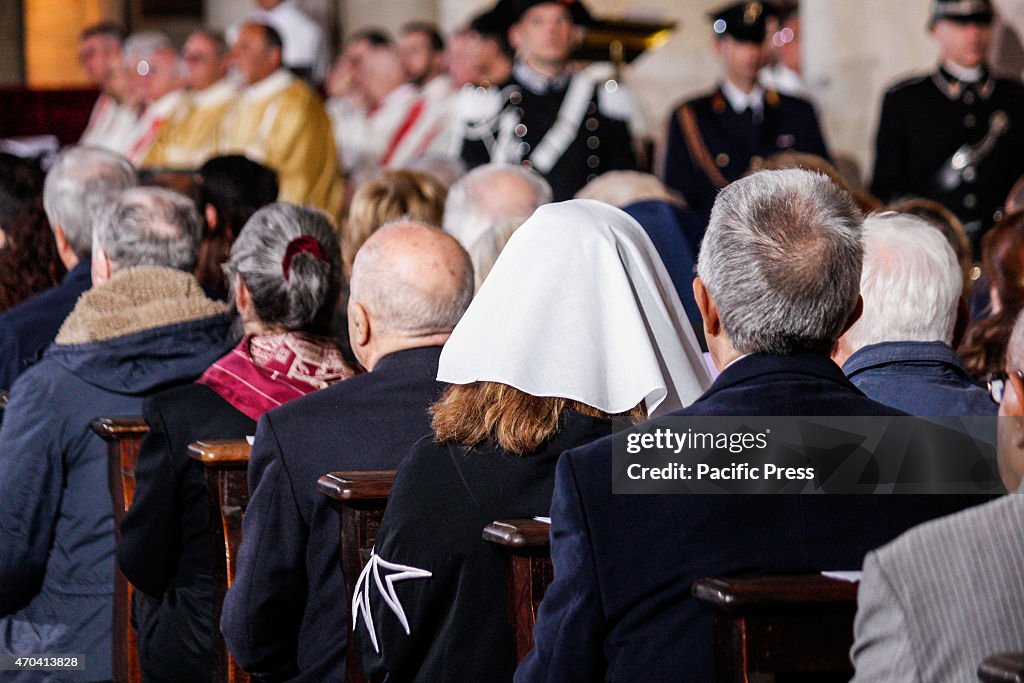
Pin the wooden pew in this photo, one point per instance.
(1002, 668)
(360, 499)
(225, 465)
(124, 437)
(529, 572)
(772, 628)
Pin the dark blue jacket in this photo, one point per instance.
(676, 233)
(284, 616)
(732, 140)
(56, 518)
(920, 378)
(26, 329)
(620, 606)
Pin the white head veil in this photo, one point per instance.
(580, 306)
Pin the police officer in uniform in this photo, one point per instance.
(547, 116)
(955, 135)
(713, 139)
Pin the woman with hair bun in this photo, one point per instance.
(284, 275)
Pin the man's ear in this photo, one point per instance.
(514, 37)
(359, 328)
(211, 217)
(963, 319)
(855, 314)
(101, 266)
(1012, 404)
(708, 309)
(59, 238)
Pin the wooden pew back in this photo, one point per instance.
(360, 499)
(1002, 668)
(225, 465)
(124, 437)
(771, 628)
(529, 572)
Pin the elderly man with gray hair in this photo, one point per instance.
(145, 325)
(900, 351)
(487, 205)
(81, 182)
(779, 275)
(157, 76)
(411, 283)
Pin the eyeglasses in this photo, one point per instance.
(997, 384)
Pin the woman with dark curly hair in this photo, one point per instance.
(1002, 261)
(28, 256)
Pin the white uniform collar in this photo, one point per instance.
(269, 86)
(165, 106)
(437, 88)
(537, 82)
(964, 74)
(216, 94)
(740, 100)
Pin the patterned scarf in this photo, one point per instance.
(264, 372)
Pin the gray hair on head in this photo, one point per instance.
(149, 226)
(1015, 347)
(416, 290)
(487, 205)
(80, 184)
(293, 282)
(144, 44)
(782, 259)
(911, 283)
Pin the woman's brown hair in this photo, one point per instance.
(517, 421)
(1002, 260)
(388, 197)
(28, 262)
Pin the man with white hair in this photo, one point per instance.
(944, 596)
(81, 182)
(411, 283)
(158, 78)
(900, 351)
(779, 274)
(145, 325)
(487, 205)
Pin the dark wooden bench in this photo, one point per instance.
(774, 628)
(225, 465)
(1002, 668)
(360, 498)
(124, 437)
(529, 572)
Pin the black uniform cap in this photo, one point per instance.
(744, 21)
(962, 11)
(508, 12)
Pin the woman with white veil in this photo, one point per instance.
(577, 323)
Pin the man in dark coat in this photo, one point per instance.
(714, 139)
(547, 117)
(285, 615)
(144, 326)
(779, 271)
(954, 135)
(81, 181)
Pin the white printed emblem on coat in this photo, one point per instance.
(361, 596)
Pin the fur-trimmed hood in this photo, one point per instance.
(144, 328)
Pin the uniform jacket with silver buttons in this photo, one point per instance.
(926, 120)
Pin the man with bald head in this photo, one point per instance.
(284, 616)
(281, 122)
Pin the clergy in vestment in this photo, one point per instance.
(191, 138)
(279, 121)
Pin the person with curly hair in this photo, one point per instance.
(1002, 262)
(29, 262)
